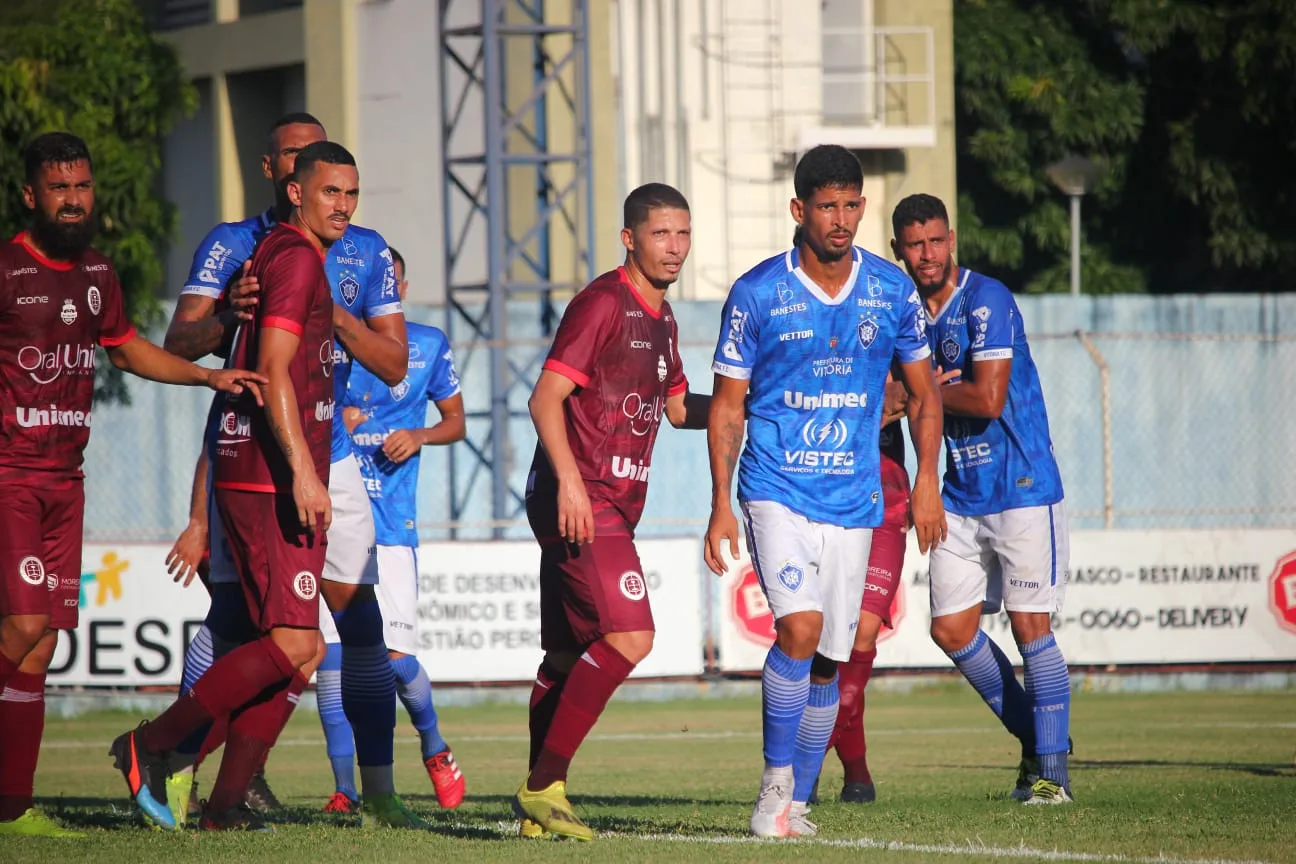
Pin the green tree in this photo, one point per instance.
(1187, 104)
(93, 68)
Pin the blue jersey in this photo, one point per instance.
(393, 487)
(993, 465)
(817, 367)
(359, 268)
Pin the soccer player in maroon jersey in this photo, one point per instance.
(59, 301)
(613, 370)
(271, 470)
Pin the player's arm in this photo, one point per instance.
(688, 410)
(186, 555)
(377, 343)
(452, 427)
(194, 332)
(141, 357)
(725, 426)
(981, 393)
(926, 425)
(575, 515)
(276, 350)
(895, 399)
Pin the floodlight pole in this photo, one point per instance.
(1075, 244)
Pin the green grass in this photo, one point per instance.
(1184, 775)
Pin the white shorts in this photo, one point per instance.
(351, 556)
(398, 597)
(1019, 557)
(808, 566)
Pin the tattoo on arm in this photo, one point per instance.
(195, 339)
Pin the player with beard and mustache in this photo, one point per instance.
(59, 302)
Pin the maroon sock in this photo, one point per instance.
(215, 739)
(252, 732)
(593, 680)
(7, 670)
(22, 721)
(545, 694)
(231, 682)
(295, 688)
(848, 733)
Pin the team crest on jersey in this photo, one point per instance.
(350, 287)
(69, 313)
(632, 586)
(93, 300)
(950, 350)
(305, 586)
(31, 570)
(398, 392)
(868, 331)
(661, 368)
(791, 576)
(349, 247)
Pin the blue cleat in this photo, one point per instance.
(145, 773)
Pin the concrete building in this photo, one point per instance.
(716, 97)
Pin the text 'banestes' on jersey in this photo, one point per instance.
(53, 317)
(358, 267)
(817, 366)
(393, 486)
(295, 297)
(1001, 464)
(624, 358)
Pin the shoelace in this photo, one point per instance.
(775, 793)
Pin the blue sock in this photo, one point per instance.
(337, 732)
(415, 692)
(785, 689)
(368, 684)
(988, 670)
(1048, 684)
(197, 660)
(812, 737)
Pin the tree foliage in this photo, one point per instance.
(93, 68)
(1187, 105)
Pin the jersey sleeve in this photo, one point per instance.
(116, 328)
(911, 339)
(735, 352)
(380, 295)
(991, 323)
(218, 257)
(360, 384)
(679, 381)
(589, 324)
(444, 381)
(287, 287)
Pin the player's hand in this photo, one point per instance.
(722, 528)
(314, 509)
(928, 513)
(575, 515)
(895, 401)
(352, 417)
(950, 377)
(401, 445)
(187, 553)
(243, 294)
(236, 381)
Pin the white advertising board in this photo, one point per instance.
(1134, 597)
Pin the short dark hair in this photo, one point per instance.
(827, 166)
(54, 148)
(293, 119)
(327, 152)
(920, 208)
(650, 197)
(398, 258)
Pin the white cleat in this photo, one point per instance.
(799, 824)
(770, 817)
(1046, 792)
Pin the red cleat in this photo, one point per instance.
(340, 803)
(447, 779)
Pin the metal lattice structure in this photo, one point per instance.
(515, 104)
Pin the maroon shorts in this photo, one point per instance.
(40, 549)
(886, 556)
(278, 564)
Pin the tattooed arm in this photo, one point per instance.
(724, 442)
(195, 332)
(276, 351)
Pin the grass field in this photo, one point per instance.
(1181, 776)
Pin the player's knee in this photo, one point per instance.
(22, 633)
(37, 661)
(867, 632)
(561, 661)
(633, 646)
(1028, 626)
(822, 669)
(798, 633)
(341, 595)
(298, 645)
(953, 632)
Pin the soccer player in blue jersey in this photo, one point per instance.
(369, 325)
(806, 341)
(1003, 493)
(388, 430)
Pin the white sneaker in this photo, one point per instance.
(773, 805)
(799, 825)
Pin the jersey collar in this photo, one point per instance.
(793, 261)
(949, 301)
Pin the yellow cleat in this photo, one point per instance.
(532, 830)
(388, 811)
(34, 823)
(551, 811)
(179, 787)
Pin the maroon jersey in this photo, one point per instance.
(53, 315)
(624, 358)
(295, 296)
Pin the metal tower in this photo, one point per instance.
(515, 106)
